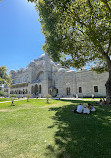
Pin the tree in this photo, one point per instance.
(78, 32)
(28, 96)
(4, 77)
(12, 97)
(2, 93)
(47, 98)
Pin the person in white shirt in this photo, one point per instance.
(91, 107)
(80, 108)
(86, 110)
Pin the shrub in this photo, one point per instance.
(2, 94)
(12, 97)
(47, 97)
(28, 96)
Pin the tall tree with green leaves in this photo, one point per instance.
(79, 29)
(4, 77)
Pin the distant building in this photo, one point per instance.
(43, 76)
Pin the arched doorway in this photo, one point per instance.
(32, 90)
(36, 89)
(53, 91)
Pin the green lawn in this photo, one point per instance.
(35, 129)
(5, 99)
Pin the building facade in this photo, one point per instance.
(43, 76)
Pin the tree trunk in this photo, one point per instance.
(47, 100)
(108, 89)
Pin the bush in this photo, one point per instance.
(12, 97)
(2, 94)
(47, 97)
(28, 96)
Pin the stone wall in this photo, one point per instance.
(88, 80)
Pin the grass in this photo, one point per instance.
(40, 130)
(6, 99)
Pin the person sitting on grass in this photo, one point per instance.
(86, 110)
(89, 105)
(79, 109)
(103, 101)
(100, 102)
(92, 108)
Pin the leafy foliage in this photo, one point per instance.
(28, 96)
(12, 97)
(47, 97)
(78, 32)
(79, 29)
(2, 94)
(4, 77)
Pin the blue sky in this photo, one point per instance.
(21, 39)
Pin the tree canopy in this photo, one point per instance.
(79, 29)
(4, 77)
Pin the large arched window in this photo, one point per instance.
(23, 91)
(32, 90)
(36, 89)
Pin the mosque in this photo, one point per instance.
(43, 76)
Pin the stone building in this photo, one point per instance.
(43, 76)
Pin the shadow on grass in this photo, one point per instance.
(81, 135)
(81, 101)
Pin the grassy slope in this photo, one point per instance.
(40, 130)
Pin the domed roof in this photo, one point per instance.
(42, 57)
(61, 70)
(12, 71)
(70, 71)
